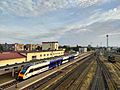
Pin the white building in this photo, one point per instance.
(82, 49)
(50, 45)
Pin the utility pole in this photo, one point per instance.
(107, 40)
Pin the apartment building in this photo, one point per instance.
(50, 45)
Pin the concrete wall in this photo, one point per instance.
(12, 61)
(43, 55)
(50, 46)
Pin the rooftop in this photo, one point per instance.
(51, 42)
(10, 55)
(39, 51)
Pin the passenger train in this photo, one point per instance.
(33, 69)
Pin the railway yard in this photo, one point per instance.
(89, 71)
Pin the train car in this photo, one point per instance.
(65, 59)
(71, 57)
(76, 55)
(111, 59)
(55, 63)
(31, 69)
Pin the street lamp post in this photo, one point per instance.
(107, 40)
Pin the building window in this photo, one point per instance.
(40, 55)
(44, 54)
(33, 57)
(47, 54)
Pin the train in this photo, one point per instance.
(30, 70)
(111, 59)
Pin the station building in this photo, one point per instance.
(42, 54)
(8, 58)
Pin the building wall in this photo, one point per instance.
(50, 46)
(19, 47)
(13, 47)
(32, 47)
(43, 55)
(81, 50)
(12, 61)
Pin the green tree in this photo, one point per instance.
(67, 48)
(1, 48)
(118, 50)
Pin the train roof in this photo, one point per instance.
(58, 59)
(27, 66)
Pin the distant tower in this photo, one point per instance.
(107, 40)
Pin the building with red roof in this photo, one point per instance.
(11, 58)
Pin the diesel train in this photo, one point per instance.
(33, 69)
(111, 59)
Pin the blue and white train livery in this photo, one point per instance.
(33, 69)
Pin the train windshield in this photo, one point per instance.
(24, 69)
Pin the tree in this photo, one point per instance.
(67, 48)
(39, 48)
(1, 48)
(118, 50)
(25, 47)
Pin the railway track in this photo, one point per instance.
(108, 81)
(3, 87)
(68, 81)
(117, 68)
(98, 81)
(77, 84)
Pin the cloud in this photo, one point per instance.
(37, 7)
(82, 21)
(107, 15)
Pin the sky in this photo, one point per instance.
(70, 22)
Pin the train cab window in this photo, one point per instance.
(31, 70)
(23, 71)
(33, 57)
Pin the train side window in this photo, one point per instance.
(31, 70)
(40, 68)
(7, 69)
